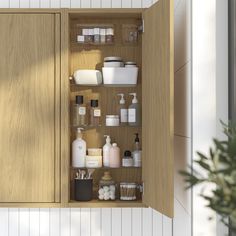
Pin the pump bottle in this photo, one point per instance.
(122, 110)
(134, 112)
(106, 151)
(78, 150)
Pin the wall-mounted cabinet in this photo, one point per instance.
(144, 37)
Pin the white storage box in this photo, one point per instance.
(120, 76)
(88, 77)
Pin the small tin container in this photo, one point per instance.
(127, 160)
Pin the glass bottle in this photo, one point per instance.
(107, 187)
(95, 113)
(79, 112)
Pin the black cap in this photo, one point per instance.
(79, 99)
(136, 138)
(127, 153)
(94, 103)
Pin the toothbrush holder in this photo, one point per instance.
(83, 189)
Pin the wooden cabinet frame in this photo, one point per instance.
(163, 187)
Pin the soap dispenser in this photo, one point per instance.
(134, 112)
(137, 153)
(122, 110)
(78, 150)
(106, 151)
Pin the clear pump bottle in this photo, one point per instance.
(134, 112)
(137, 153)
(122, 110)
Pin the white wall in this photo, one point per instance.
(117, 222)
(210, 93)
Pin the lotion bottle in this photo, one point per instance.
(106, 151)
(115, 156)
(122, 110)
(134, 112)
(78, 150)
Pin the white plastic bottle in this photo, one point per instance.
(78, 150)
(134, 112)
(115, 160)
(122, 110)
(106, 151)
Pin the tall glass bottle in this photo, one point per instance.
(79, 112)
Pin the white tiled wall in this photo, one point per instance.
(117, 222)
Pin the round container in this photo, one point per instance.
(128, 191)
(107, 187)
(85, 33)
(96, 35)
(112, 120)
(127, 160)
(113, 64)
(110, 35)
(103, 35)
(130, 64)
(94, 151)
(93, 161)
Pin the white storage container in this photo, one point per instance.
(88, 77)
(120, 76)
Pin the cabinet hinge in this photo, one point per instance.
(141, 27)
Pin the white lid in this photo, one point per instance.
(91, 32)
(110, 31)
(112, 116)
(112, 58)
(114, 145)
(85, 31)
(102, 31)
(96, 31)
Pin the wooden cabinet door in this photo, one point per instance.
(29, 107)
(158, 110)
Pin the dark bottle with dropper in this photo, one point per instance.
(137, 153)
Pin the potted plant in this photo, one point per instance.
(219, 168)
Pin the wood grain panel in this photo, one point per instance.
(158, 107)
(27, 99)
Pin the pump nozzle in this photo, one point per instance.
(122, 99)
(108, 139)
(135, 100)
(136, 138)
(79, 134)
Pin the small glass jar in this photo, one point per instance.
(91, 36)
(127, 160)
(107, 188)
(79, 112)
(128, 191)
(85, 33)
(96, 35)
(103, 36)
(110, 35)
(112, 120)
(95, 113)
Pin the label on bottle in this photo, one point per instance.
(123, 115)
(97, 112)
(82, 111)
(132, 115)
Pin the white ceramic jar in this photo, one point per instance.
(112, 120)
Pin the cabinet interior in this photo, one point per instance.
(90, 56)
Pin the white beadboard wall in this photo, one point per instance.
(120, 221)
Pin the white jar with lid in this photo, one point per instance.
(110, 35)
(112, 120)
